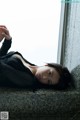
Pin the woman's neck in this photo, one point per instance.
(33, 69)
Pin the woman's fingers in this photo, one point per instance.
(5, 33)
(8, 37)
(5, 30)
(3, 26)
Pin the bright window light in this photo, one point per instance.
(34, 27)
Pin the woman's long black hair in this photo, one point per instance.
(65, 80)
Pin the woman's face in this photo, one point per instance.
(47, 75)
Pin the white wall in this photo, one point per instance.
(34, 27)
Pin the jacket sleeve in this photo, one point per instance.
(5, 47)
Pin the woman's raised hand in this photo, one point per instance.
(4, 33)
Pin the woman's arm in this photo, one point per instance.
(4, 33)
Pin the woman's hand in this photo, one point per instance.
(4, 33)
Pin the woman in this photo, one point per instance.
(16, 71)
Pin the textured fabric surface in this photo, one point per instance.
(40, 105)
(76, 76)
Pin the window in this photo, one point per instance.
(34, 27)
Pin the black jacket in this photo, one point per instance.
(12, 72)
